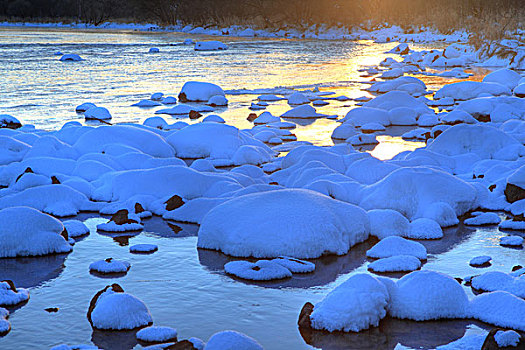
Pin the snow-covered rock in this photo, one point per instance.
(506, 77)
(481, 260)
(302, 112)
(112, 309)
(394, 245)
(28, 232)
(298, 98)
(262, 270)
(387, 222)
(143, 248)
(357, 304)
(197, 91)
(217, 101)
(75, 228)
(483, 219)
(70, 57)
(424, 228)
(427, 295)
(295, 265)
(397, 263)
(146, 104)
(97, 113)
(10, 295)
(109, 266)
(511, 241)
(210, 46)
(292, 222)
(499, 308)
(495, 280)
(156, 334)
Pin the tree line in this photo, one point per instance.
(445, 15)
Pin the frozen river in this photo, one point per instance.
(184, 287)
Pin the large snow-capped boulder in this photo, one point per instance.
(506, 77)
(212, 140)
(197, 91)
(427, 295)
(499, 308)
(415, 191)
(515, 187)
(28, 232)
(357, 304)
(394, 99)
(364, 115)
(292, 222)
(95, 139)
(112, 309)
(466, 90)
(484, 140)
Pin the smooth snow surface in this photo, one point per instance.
(397, 263)
(28, 232)
(293, 222)
(262, 270)
(357, 304)
(394, 245)
(156, 334)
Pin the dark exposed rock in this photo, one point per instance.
(51, 309)
(516, 267)
(460, 280)
(514, 193)
(10, 125)
(304, 317)
(194, 115)
(492, 187)
(65, 234)
(483, 118)
(251, 117)
(121, 218)
(182, 97)
(174, 202)
(519, 217)
(54, 180)
(28, 170)
(256, 268)
(138, 208)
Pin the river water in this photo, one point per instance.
(185, 287)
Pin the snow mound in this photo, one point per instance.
(424, 228)
(97, 113)
(5, 326)
(483, 140)
(302, 112)
(197, 91)
(291, 222)
(217, 100)
(232, 340)
(427, 295)
(70, 57)
(387, 222)
(397, 263)
(480, 260)
(157, 334)
(507, 338)
(364, 115)
(415, 193)
(10, 295)
(295, 265)
(499, 308)
(75, 228)
(483, 219)
(511, 241)
(357, 304)
(213, 140)
(506, 77)
(496, 280)
(28, 232)
(109, 266)
(112, 309)
(143, 248)
(262, 270)
(146, 104)
(298, 98)
(210, 46)
(467, 90)
(394, 245)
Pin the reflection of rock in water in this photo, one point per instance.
(418, 335)
(114, 340)
(32, 271)
(160, 227)
(327, 268)
(121, 238)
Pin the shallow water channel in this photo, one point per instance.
(185, 287)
